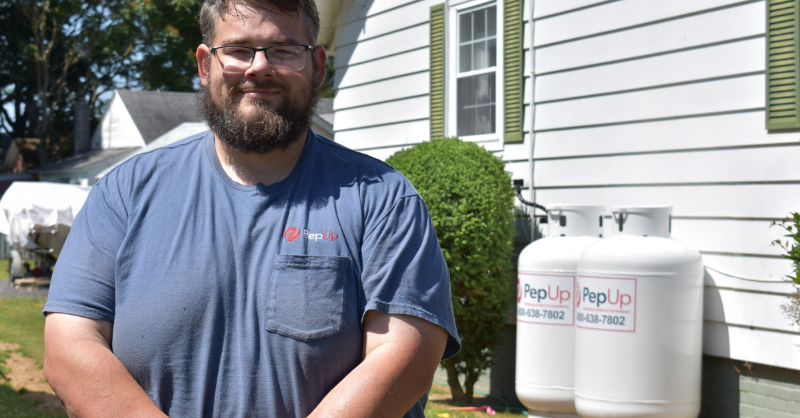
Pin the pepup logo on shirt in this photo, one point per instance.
(293, 233)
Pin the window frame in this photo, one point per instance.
(452, 74)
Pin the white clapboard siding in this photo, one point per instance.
(728, 130)
(728, 236)
(766, 201)
(738, 343)
(415, 37)
(695, 64)
(384, 136)
(764, 310)
(617, 15)
(526, 33)
(757, 274)
(382, 91)
(719, 26)
(769, 164)
(409, 15)
(543, 8)
(384, 113)
(519, 170)
(359, 9)
(726, 95)
(397, 65)
(516, 152)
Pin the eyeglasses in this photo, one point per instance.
(238, 59)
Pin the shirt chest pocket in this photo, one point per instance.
(307, 296)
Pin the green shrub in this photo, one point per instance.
(791, 245)
(470, 199)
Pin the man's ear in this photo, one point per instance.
(203, 56)
(321, 58)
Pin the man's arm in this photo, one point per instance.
(400, 356)
(85, 374)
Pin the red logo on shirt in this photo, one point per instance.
(291, 234)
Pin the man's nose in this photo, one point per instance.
(260, 66)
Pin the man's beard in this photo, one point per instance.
(265, 129)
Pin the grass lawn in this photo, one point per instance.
(21, 322)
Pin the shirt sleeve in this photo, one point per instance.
(404, 269)
(83, 281)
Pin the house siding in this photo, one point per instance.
(631, 102)
(382, 80)
(648, 102)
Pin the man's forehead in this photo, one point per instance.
(238, 16)
(243, 11)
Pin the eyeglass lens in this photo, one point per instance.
(234, 59)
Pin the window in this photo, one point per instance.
(476, 77)
(476, 110)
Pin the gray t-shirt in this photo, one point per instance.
(247, 301)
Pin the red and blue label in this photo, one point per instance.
(606, 303)
(545, 299)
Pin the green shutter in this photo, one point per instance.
(512, 71)
(437, 71)
(783, 62)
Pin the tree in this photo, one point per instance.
(56, 51)
(170, 36)
(470, 199)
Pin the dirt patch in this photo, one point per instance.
(4, 346)
(23, 374)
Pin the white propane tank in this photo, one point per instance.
(546, 308)
(639, 318)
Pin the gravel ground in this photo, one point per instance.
(6, 290)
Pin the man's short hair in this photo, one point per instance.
(217, 8)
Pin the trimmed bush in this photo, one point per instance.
(470, 199)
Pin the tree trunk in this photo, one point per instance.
(452, 380)
(469, 383)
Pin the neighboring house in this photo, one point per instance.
(612, 102)
(133, 120)
(136, 121)
(11, 161)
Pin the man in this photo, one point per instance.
(257, 270)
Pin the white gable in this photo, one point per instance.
(117, 129)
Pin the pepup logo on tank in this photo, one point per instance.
(613, 297)
(606, 303)
(549, 293)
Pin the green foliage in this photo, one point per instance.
(470, 199)
(22, 322)
(170, 38)
(54, 52)
(12, 404)
(791, 246)
(326, 90)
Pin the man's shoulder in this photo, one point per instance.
(168, 155)
(369, 172)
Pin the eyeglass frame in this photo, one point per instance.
(255, 50)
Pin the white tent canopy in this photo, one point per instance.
(26, 205)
